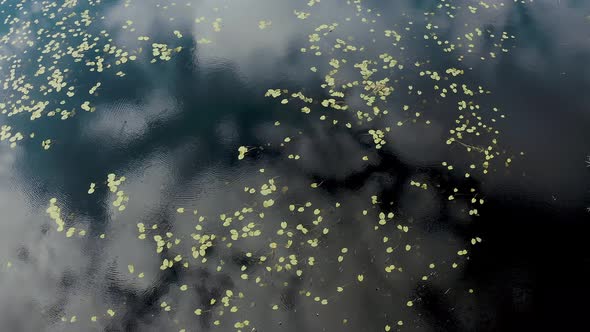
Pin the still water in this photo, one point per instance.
(298, 165)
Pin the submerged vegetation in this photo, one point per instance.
(281, 236)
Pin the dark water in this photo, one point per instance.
(173, 129)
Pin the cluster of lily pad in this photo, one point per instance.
(285, 236)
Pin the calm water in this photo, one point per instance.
(310, 244)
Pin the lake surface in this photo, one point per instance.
(294, 165)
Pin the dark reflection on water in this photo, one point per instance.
(173, 129)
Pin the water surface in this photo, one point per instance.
(293, 166)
